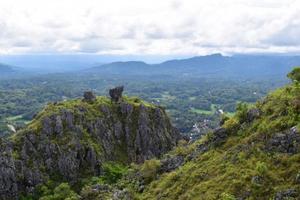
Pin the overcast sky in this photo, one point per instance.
(149, 27)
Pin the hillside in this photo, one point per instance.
(253, 155)
(82, 149)
(5, 68)
(74, 140)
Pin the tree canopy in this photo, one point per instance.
(294, 75)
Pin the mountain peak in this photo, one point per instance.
(77, 137)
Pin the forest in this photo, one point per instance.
(188, 100)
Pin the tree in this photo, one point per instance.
(62, 192)
(294, 75)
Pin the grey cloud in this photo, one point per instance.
(96, 45)
(23, 43)
(289, 36)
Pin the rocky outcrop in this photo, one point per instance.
(285, 142)
(170, 164)
(89, 96)
(286, 194)
(8, 178)
(116, 93)
(252, 114)
(74, 141)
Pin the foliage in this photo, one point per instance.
(21, 99)
(241, 111)
(149, 169)
(112, 172)
(242, 163)
(226, 196)
(294, 75)
(61, 192)
(261, 168)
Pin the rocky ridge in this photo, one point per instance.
(70, 140)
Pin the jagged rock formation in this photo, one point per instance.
(72, 139)
(8, 179)
(287, 141)
(89, 96)
(116, 93)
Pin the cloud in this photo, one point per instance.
(168, 27)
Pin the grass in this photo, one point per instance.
(213, 109)
(240, 167)
(14, 118)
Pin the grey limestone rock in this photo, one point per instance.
(116, 93)
(287, 141)
(89, 96)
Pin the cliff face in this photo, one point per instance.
(72, 139)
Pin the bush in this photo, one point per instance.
(231, 124)
(113, 172)
(226, 196)
(150, 169)
(62, 192)
(241, 112)
(294, 75)
(261, 168)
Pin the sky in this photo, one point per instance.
(149, 27)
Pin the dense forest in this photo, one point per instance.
(188, 100)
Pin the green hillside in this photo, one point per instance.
(255, 156)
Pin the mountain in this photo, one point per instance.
(253, 155)
(74, 140)
(124, 68)
(6, 68)
(123, 148)
(52, 63)
(216, 65)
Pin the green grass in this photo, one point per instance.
(14, 118)
(228, 171)
(212, 110)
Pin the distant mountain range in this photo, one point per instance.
(214, 66)
(7, 71)
(244, 66)
(6, 68)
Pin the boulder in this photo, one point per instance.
(89, 96)
(286, 194)
(252, 114)
(170, 164)
(116, 93)
(287, 141)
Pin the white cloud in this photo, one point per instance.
(149, 26)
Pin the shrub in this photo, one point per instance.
(226, 196)
(150, 169)
(294, 75)
(62, 192)
(231, 124)
(113, 172)
(241, 112)
(261, 168)
(223, 119)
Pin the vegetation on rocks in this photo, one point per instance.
(258, 158)
(80, 142)
(254, 154)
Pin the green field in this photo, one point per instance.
(213, 109)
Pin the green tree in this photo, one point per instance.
(294, 75)
(62, 192)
